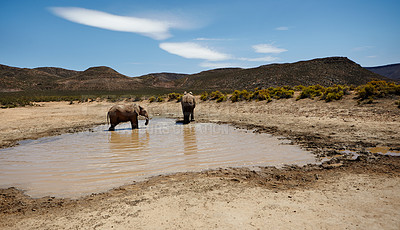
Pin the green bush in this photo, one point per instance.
(311, 92)
(204, 96)
(335, 93)
(241, 95)
(152, 99)
(299, 88)
(174, 96)
(216, 95)
(221, 98)
(261, 95)
(377, 89)
(160, 99)
(235, 96)
(281, 92)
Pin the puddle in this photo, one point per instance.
(384, 150)
(73, 165)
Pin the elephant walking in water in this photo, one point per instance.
(123, 113)
(188, 104)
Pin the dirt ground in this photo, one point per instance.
(347, 192)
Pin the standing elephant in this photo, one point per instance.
(188, 103)
(123, 113)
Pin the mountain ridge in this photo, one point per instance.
(324, 71)
(391, 71)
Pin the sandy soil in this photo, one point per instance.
(360, 193)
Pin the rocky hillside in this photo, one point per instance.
(99, 78)
(162, 80)
(17, 79)
(323, 71)
(389, 71)
(51, 78)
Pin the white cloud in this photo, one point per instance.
(156, 29)
(282, 28)
(268, 48)
(193, 50)
(260, 59)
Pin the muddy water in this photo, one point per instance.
(72, 165)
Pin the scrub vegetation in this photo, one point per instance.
(365, 94)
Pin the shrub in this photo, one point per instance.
(281, 92)
(160, 99)
(221, 98)
(335, 93)
(204, 96)
(174, 96)
(299, 88)
(152, 99)
(235, 96)
(261, 95)
(241, 95)
(311, 92)
(215, 95)
(377, 89)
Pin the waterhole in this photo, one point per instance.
(73, 165)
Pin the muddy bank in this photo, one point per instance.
(361, 193)
(354, 193)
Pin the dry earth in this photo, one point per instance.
(361, 193)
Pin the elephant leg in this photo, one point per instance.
(135, 123)
(114, 122)
(186, 118)
(192, 115)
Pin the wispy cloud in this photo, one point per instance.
(282, 28)
(268, 48)
(156, 29)
(193, 51)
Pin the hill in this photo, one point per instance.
(60, 72)
(389, 71)
(323, 71)
(99, 78)
(162, 80)
(19, 79)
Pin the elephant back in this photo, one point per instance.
(188, 99)
(124, 109)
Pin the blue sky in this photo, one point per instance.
(141, 37)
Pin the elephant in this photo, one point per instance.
(188, 104)
(123, 113)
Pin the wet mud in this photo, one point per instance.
(356, 186)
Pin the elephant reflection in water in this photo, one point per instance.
(128, 142)
(189, 140)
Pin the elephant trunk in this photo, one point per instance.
(147, 119)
